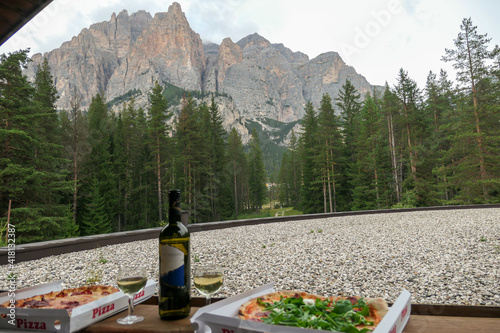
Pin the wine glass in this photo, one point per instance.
(208, 280)
(130, 281)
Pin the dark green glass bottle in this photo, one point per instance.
(174, 294)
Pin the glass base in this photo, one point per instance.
(128, 320)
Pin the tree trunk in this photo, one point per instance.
(324, 194)
(482, 168)
(158, 175)
(329, 152)
(235, 192)
(392, 148)
(413, 157)
(376, 188)
(75, 167)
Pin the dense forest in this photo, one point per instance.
(80, 172)
(404, 146)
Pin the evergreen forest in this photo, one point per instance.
(68, 173)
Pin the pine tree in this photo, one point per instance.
(96, 219)
(121, 169)
(49, 160)
(475, 170)
(390, 110)
(257, 174)
(349, 104)
(191, 158)
(217, 160)
(132, 159)
(329, 158)
(408, 94)
(439, 105)
(311, 193)
(98, 170)
(76, 146)
(158, 131)
(45, 98)
(236, 169)
(143, 201)
(284, 185)
(295, 174)
(416, 132)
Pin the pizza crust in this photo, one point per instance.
(379, 304)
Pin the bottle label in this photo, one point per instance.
(172, 266)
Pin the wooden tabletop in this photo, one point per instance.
(447, 324)
(417, 324)
(151, 323)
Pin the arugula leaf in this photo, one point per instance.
(342, 306)
(365, 311)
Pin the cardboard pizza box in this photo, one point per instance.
(222, 316)
(51, 320)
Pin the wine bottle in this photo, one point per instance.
(174, 294)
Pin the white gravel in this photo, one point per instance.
(441, 257)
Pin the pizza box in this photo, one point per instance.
(52, 320)
(222, 316)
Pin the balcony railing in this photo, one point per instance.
(25, 252)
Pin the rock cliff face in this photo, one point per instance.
(88, 61)
(167, 51)
(253, 78)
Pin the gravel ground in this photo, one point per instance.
(441, 257)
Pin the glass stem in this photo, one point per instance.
(130, 305)
(209, 299)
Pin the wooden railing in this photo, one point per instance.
(32, 251)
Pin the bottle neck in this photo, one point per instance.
(174, 206)
(174, 214)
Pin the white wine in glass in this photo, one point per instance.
(131, 280)
(208, 280)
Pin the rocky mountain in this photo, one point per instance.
(255, 81)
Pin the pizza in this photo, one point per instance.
(301, 309)
(65, 299)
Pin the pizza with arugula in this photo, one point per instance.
(301, 309)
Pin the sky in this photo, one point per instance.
(376, 37)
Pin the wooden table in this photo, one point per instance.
(423, 319)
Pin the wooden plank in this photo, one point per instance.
(446, 324)
(17, 14)
(33, 251)
(455, 310)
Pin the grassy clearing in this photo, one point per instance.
(286, 211)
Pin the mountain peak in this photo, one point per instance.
(175, 13)
(253, 40)
(175, 7)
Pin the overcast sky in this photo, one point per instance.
(376, 37)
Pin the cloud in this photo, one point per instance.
(376, 37)
(218, 19)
